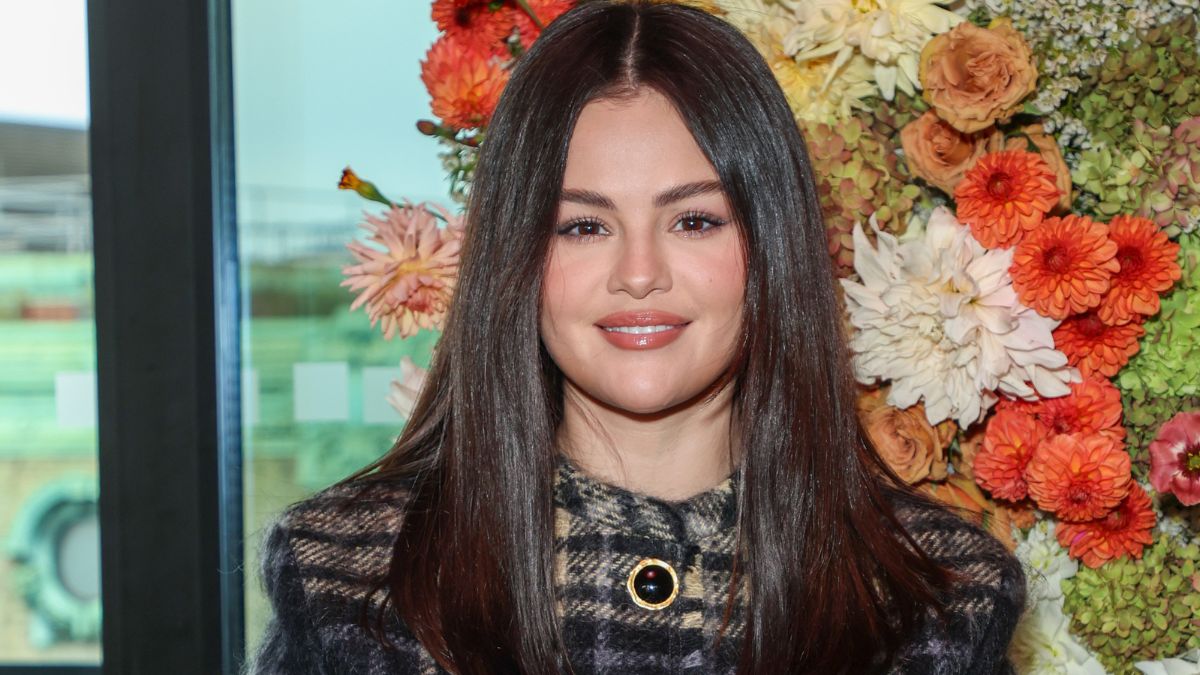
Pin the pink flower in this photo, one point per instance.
(408, 278)
(404, 392)
(1175, 458)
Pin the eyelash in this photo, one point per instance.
(565, 229)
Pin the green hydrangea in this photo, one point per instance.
(1154, 79)
(1071, 38)
(1173, 200)
(1131, 610)
(1116, 179)
(1163, 378)
(858, 174)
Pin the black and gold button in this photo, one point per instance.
(652, 584)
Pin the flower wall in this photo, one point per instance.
(1011, 193)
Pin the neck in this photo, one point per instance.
(672, 455)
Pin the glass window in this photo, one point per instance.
(49, 533)
(317, 87)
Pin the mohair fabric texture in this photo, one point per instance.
(318, 563)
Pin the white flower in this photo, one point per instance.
(1046, 563)
(1187, 663)
(817, 89)
(1042, 643)
(889, 33)
(938, 317)
(404, 392)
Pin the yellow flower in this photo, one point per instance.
(888, 33)
(817, 89)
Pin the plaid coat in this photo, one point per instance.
(317, 564)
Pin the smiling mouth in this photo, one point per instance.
(641, 330)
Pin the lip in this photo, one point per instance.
(642, 317)
(649, 317)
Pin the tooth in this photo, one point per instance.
(638, 330)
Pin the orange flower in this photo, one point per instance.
(546, 11)
(1078, 477)
(476, 24)
(1123, 531)
(1092, 407)
(365, 189)
(1096, 347)
(464, 82)
(1005, 195)
(1148, 267)
(1065, 266)
(1008, 444)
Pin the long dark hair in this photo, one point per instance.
(829, 566)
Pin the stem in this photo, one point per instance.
(528, 10)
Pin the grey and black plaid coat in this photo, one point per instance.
(316, 566)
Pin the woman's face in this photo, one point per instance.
(642, 300)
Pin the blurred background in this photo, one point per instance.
(316, 86)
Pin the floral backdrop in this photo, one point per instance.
(1011, 191)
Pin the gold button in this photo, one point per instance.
(652, 584)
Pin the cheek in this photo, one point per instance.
(723, 281)
(565, 288)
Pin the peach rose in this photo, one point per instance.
(941, 154)
(907, 442)
(968, 447)
(961, 494)
(976, 76)
(1045, 145)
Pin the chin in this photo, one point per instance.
(654, 399)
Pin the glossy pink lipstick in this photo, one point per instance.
(643, 329)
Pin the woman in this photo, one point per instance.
(636, 450)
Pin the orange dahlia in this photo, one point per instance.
(1123, 531)
(1078, 477)
(1148, 268)
(1096, 347)
(546, 11)
(477, 23)
(1065, 266)
(464, 82)
(1093, 406)
(1008, 444)
(1005, 195)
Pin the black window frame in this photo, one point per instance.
(167, 314)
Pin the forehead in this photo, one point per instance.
(633, 148)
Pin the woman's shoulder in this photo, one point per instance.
(322, 562)
(984, 604)
(338, 540)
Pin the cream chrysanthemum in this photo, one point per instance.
(817, 89)
(888, 33)
(1042, 642)
(937, 316)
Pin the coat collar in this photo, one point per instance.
(617, 509)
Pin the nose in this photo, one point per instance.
(641, 266)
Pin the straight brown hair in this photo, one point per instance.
(835, 584)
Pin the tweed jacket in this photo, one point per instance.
(317, 565)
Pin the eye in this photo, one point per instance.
(698, 223)
(582, 229)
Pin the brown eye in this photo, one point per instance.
(583, 229)
(698, 224)
(586, 228)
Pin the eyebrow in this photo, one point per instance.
(664, 198)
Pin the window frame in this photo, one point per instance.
(167, 324)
